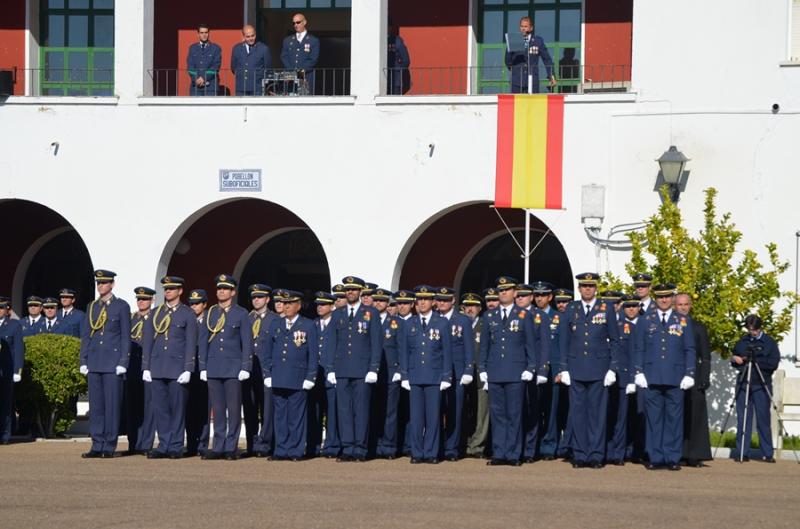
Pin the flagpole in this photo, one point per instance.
(527, 245)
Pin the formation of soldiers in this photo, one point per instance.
(381, 374)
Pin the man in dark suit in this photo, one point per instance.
(519, 62)
(300, 51)
(51, 321)
(325, 307)
(70, 317)
(203, 63)
(33, 323)
(250, 61)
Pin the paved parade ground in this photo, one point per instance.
(47, 484)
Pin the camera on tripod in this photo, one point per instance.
(752, 351)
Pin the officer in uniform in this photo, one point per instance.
(168, 357)
(589, 342)
(290, 361)
(555, 402)
(613, 297)
(519, 61)
(524, 296)
(533, 409)
(140, 416)
(338, 293)
(250, 61)
(397, 62)
(405, 311)
(105, 353)
(300, 51)
(203, 63)
(642, 283)
(226, 358)
(33, 323)
(508, 360)
(353, 368)
(51, 321)
(426, 368)
(70, 317)
(12, 359)
(325, 307)
(366, 294)
(622, 393)
(476, 398)
(386, 396)
(256, 398)
(198, 406)
(664, 360)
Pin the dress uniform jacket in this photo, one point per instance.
(170, 352)
(109, 345)
(12, 348)
(204, 61)
(508, 350)
(357, 345)
(291, 355)
(589, 343)
(535, 50)
(461, 338)
(250, 67)
(397, 62)
(301, 55)
(230, 350)
(52, 327)
(71, 323)
(32, 328)
(426, 357)
(625, 358)
(664, 353)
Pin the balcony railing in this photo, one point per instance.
(171, 82)
(475, 80)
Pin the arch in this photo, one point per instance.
(254, 247)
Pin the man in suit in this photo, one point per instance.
(405, 311)
(198, 405)
(300, 51)
(519, 62)
(325, 307)
(250, 61)
(70, 317)
(556, 439)
(620, 393)
(33, 323)
(533, 390)
(256, 398)
(664, 364)
(476, 397)
(140, 417)
(51, 321)
(589, 343)
(12, 359)
(168, 356)
(203, 63)
(104, 357)
(642, 283)
(386, 395)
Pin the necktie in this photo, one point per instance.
(505, 316)
(588, 308)
(424, 324)
(663, 319)
(49, 326)
(352, 314)
(289, 324)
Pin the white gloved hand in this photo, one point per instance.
(307, 384)
(485, 386)
(540, 380)
(687, 383)
(204, 376)
(147, 376)
(371, 377)
(397, 377)
(610, 378)
(185, 377)
(17, 377)
(84, 370)
(630, 389)
(565, 378)
(483, 377)
(466, 379)
(405, 385)
(332, 378)
(640, 381)
(243, 375)
(121, 370)
(268, 382)
(527, 376)
(444, 385)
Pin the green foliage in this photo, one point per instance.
(50, 381)
(726, 284)
(729, 440)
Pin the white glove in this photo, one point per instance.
(565, 378)
(540, 380)
(371, 377)
(630, 389)
(483, 377)
(466, 379)
(640, 381)
(332, 378)
(686, 383)
(268, 382)
(17, 377)
(405, 385)
(184, 378)
(243, 375)
(204, 376)
(610, 378)
(485, 386)
(527, 376)
(147, 376)
(397, 377)
(121, 370)
(84, 370)
(444, 385)
(307, 384)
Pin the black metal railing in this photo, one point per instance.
(171, 82)
(72, 82)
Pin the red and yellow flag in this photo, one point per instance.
(530, 138)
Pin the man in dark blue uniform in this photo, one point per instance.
(51, 321)
(33, 323)
(398, 81)
(664, 362)
(533, 408)
(555, 399)
(256, 398)
(139, 413)
(476, 399)
(338, 293)
(198, 406)
(405, 311)
(325, 307)
(461, 341)
(589, 343)
(760, 349)
(426, 368)
(622, 393)
(386, 394)
(203, 63)
(508, 360)
(519, 61)
(366, 294)
(353, 368)
(169, 345)
(12, 358)
(250, 61)
(290, 361)
(104, 357)
(300, 51)
(70, 317)
(642, 283)
(226, 358)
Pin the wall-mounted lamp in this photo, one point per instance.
(672, 164)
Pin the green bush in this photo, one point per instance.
(729, 439)
(50, 382)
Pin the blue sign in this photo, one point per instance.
(240, 180)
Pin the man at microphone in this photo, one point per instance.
(519, 61)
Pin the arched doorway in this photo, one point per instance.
(42, 254)
(467, 247)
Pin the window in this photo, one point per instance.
(305, 4)
(76, 56)
(558, 22)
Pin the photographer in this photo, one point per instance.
(762, 351)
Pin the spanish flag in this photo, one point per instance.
(530, 138)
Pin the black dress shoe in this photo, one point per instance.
(578, 464)
(111, 455)
(617, 462)
(210, 455)
(451, 458)
(344, 458)
(231, 456)
(515, 463)
(767, 459)
(433, 461)
(296, 459)
(548, 457)
(175, 455)
(5, 442)
(595, 465)
(133, 452)
(673, 466)
(495, 462)
(528, 460)
(156, 455)
(416, 461)
(651, 466)
(92, 454)
(259, 453)
(359, 459)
